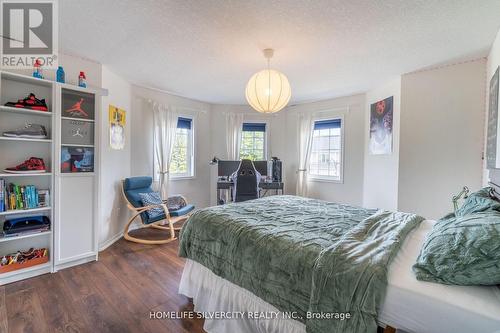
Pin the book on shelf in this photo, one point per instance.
(21, 197)
(2, 195)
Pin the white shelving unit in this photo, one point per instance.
(14, 238)
(25, 211)
(14, 175)
(25, 111)
(73, 237)
(15, 151)
(84, 120)
(2, 138)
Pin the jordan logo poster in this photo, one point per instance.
(381, 116)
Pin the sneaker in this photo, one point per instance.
(30, 131)
(30, 102)
(32, 165)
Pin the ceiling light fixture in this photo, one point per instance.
(268, 91)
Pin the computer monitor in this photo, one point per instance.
(226, 168)
(261, 167)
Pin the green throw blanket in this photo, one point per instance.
(322, 261)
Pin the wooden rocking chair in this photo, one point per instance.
(131, 188)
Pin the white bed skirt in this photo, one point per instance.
(213, 294)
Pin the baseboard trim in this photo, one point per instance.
(75, 262)
(107, 243)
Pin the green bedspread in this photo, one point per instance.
(303, 256)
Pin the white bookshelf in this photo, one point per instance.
(73, 236)
(14, 175)
(15, 151)
(78, 145)
(3, 138)
(76, 241)
(25, 211)
(24, 236)
(12, 109)
(79, 119)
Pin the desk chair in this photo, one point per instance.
(131, 188)
(246, 182)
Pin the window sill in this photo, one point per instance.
(320, 179)
(182, 178)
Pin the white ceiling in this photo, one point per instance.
(208, 49)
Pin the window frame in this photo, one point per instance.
(323, 178)
(173, 176)
(191, 161)
(265, 136)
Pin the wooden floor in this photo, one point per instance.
(115, 294)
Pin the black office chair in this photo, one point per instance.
(246, 182)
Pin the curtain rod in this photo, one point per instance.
(181, 108)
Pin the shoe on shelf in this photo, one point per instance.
(29, 131)
(30, 102)
(31, 165)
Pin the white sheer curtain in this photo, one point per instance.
(234, 126)
(305, 130)
(165, 127)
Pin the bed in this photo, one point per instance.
(402, 302)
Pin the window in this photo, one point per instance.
(326, 152)
(253, 142)
(181, 164)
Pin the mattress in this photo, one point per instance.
(410, 305)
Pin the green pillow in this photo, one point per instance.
(480, 201)
(462, 250)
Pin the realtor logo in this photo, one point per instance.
(29, 33)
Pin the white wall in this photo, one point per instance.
(196, 189)
(491, 66)
(73, 65)
(441, 136)
(115, 164)
(352, 109)
(380, 188)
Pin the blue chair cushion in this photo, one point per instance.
(156, 219)
(182, 211)
(134, 186)
(152, 198)
(135, 183)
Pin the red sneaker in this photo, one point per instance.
(30, 102)
(32, 165)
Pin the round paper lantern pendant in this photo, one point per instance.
(268, 91)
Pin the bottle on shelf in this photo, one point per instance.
(37, 69)
(60, 75)
(82, 80)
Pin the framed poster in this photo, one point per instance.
(492, 135)
(381, 120)
(77, 159)
(76, 104)
(116, 127)
(77, 132)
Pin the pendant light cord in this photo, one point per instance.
(269, 82)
